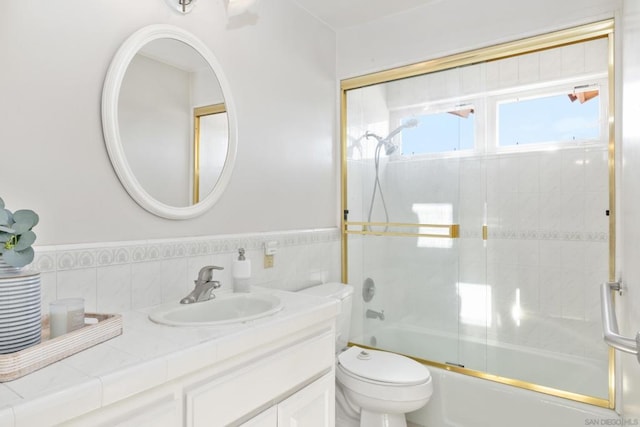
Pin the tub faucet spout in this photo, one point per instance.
(372, 314)
(204, 286)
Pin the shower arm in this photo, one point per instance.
(610, 322)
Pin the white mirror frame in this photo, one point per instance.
(110, 125)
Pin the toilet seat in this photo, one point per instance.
(390, 377)
(381, 367)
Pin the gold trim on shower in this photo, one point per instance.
(546, 41)
(453, 230)
(597, 30)
(612, 203)
(591, 400)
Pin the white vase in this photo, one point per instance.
(20, 308)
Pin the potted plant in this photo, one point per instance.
(20, 291)
(16, 236)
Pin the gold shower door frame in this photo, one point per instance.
(597, 30)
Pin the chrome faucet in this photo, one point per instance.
(372, 314)
(204, 286)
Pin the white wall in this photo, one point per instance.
(54, 59)
(629, 303)
(445, 27)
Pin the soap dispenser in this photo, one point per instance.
(241, 272)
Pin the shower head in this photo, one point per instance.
(390, 147)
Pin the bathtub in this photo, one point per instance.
(466, 401)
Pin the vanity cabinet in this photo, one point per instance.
(313, 406)
(160, 407)
(229, 398)
(288, 383)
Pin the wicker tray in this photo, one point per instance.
(98, 328)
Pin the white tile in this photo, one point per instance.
(146, 289)
(114, 289)
(573, 59)
(48, 283)
(52, 408)
(529, 68)
(7, 419)
(7, 397)
(48, 380)
(134, 379)
(78, 284)
(508, 71)
(100, 360)
(175, 283)
(596, 56)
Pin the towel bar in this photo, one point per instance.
(610, 323)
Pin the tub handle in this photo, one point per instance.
(610, 322)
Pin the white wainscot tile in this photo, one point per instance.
(48, 283)
(114, 289)
(175, 281)
(78, 284)
(146, 289)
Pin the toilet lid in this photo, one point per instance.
(383, 366)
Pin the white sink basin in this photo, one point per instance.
(224, 309)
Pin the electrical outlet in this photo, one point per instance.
(268, 261)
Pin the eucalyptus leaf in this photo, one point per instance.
(1, 203)
(18, 258)
(26, 216)
(20, 227)
(25, 241)
(3, 249)
(5, 217)
(6, 230)
(5, 237)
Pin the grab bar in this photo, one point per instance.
(610, 323)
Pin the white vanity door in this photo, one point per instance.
(268, 418)
(313, 406)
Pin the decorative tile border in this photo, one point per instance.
(73, 257)
(515, 234)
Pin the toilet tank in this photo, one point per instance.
(343, 293)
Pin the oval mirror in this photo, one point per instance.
(169, 122)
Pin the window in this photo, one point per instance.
(440, 133)
(551, 118)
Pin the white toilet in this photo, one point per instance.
(373, 388)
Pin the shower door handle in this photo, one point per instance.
(610, 323)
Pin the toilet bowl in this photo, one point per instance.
(373, 388)
(384, 386)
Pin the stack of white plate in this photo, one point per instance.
(20, 317)
(7, 269)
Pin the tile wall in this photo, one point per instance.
(116, 277)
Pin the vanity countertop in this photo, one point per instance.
(146, 355)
